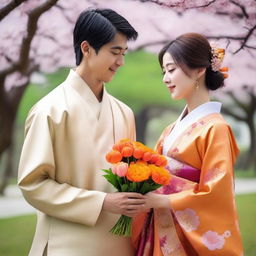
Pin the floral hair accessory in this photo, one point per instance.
(217, 59)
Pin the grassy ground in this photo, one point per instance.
(245, 174)
(247, 212)
(16, 233)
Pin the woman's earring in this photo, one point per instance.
(197, 85)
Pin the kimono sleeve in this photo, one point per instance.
(207, 213)
(36, 178)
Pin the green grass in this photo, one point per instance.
(247, 212)
(16, 233)
(245, 174)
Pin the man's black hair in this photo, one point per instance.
(98, 27)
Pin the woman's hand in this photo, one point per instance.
(154, 200)
(129, 204)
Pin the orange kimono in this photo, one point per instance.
(202, 219)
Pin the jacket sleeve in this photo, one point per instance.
(132, 127)
(36, 178)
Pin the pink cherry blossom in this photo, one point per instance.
(212, 240)
(188, 219)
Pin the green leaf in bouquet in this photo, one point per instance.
(125, 188)
(145, 188)
(108, 171)
(111, 178)
(120, 180)
(154, 187)
(133, 187)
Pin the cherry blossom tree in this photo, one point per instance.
(34, 35)
(240, 91)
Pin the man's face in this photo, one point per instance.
(110, 57)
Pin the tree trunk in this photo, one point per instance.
(142, 119)
(252, 149)
(146, 114)
(9, 103)
(249, 161)
(7, 117)
(8, 170)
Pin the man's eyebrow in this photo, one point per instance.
(119, 48)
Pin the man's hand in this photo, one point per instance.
(125, 203)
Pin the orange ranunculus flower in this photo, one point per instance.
(146, 156)
(123, 143)
(127, 151)
(125, 140)
(117, 147)
(138, 172)
(114, 156)
(160, 175)
(137, 144)
(154, 158)
(161, 161)
(138, 153)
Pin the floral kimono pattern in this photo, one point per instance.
(202, 219)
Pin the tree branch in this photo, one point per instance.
(10, 7)
(246, 38)
(241, 7)
(170, 5)
(62, 9)
(22, 64)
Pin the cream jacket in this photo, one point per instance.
(66, 140)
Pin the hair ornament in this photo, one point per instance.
(217, 59)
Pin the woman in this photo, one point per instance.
(196, 213)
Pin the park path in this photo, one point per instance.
(13, 204)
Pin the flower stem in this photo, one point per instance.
(123, 226)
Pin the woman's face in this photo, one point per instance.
(180, 85)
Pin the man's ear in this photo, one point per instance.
(85, 48)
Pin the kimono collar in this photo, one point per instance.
(199, 112)
(183, 123)
(83, 89)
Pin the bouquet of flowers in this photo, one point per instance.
(135, 168)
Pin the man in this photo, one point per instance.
(67, 135)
